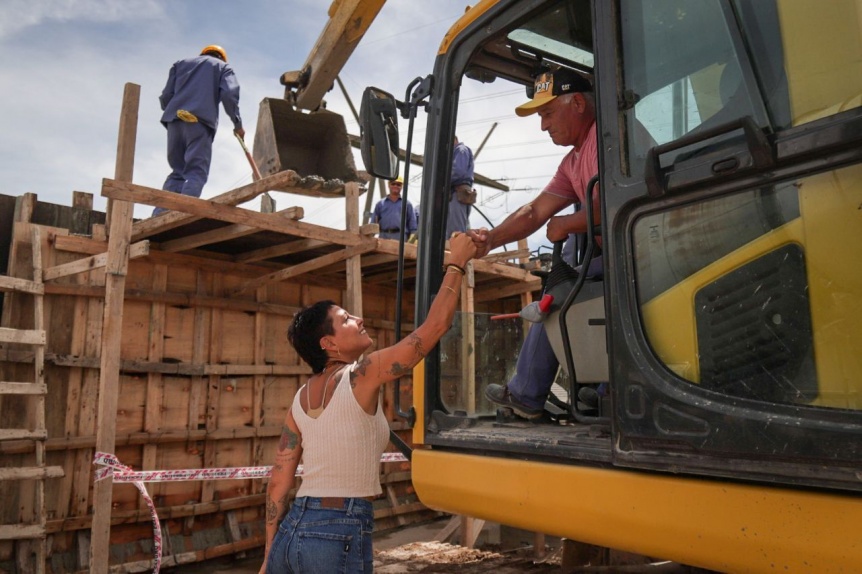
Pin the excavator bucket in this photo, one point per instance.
(311, 144)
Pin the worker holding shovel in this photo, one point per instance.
(190, 102)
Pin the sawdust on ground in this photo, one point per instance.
(428, 557)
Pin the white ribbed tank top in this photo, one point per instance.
(341, 448)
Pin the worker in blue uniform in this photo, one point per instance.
(387, 213)
(190, 103)
(461, 194)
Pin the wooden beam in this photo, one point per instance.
(234, 231)
(112, 327)
(139, 249)
(167, 221)
(31, 473)
(353, 264)
(206, 208)
(305, 267)
(294, 246)
(12, 284)
(506, 256)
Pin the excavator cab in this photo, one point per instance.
(309, 143)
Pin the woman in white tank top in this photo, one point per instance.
(337, 427)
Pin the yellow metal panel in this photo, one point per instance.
(469, 16)
(822, 50)
(718, 525)
(669, 318)
(419, 403)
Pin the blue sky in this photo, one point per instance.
(66, 62)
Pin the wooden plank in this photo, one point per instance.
(15, 434)
(119, 234)
(9, 284)
(234, 231)
(468, 340)
(139, 249)
(155, 385)
(75, 402)
(295, 246)
(22, 336)
(258, 382)
(206, 208)
(213, 393)
(31, 473)
(167, 221)
(82, 209)
(353, 264)
(503, 256)
(304, 267)
(470, 530)
(21, 531)
(7, 388)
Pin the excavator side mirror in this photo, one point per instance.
(378, 130)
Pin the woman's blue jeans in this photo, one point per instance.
(316, 539)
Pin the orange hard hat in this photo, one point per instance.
(215, 50)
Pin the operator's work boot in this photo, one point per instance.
(500, 395)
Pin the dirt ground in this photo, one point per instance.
(412, 550)
(408, 551)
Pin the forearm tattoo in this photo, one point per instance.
(271, 510)
(415, 341)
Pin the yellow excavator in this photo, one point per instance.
(723, 340)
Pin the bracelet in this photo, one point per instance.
(458, 268)
(450, 289)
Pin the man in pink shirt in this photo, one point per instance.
(565, 103)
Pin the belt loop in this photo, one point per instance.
(302, 502)
(350, 506)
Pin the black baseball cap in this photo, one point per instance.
(550, 84)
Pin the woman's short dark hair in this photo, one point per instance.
(308, 327)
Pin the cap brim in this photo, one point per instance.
(532, 106)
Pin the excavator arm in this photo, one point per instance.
(348, 22)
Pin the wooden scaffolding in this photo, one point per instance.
(164, 343)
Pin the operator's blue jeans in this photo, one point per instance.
(537, 364)
(190, 146)
(316, 540)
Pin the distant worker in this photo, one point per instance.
(566, 106)
(387, 213)
(461, 196)
(190, 104)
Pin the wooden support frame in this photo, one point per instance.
(120, 233)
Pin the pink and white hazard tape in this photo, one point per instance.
(111, 466)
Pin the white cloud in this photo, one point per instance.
(18, 15)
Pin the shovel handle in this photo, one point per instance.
(255, 172)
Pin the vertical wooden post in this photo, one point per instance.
(120, 233)
(468, 340)
(353, 298)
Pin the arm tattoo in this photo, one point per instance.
(288, 439)
(271, 510)
(416, 342)
(399, 370)
(360, 369)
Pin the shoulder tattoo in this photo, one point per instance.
(361, 369)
